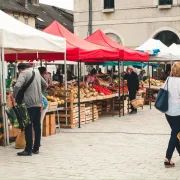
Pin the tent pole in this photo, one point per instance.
(16, 65)
(119, 84)
(80, 70)
(149, 86)
(123, 86)
(65, 79)
(79, 108)
(3, 99)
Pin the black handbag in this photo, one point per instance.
(162, 99)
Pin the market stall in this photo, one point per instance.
(126, 54)
(86, 52)
(17, 38)
(159, 53)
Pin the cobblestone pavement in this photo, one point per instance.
(130, 147)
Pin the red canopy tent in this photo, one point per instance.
(126, 54)
(77, 48)
(84, 50)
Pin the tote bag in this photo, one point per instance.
(162, 99)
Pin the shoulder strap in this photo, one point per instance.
(29, 82)
(167, 83)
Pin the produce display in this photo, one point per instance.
(154, 82)
(57, 94)
(55, 99)
(102, 90)
(103, 82)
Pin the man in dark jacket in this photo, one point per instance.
(133, 85)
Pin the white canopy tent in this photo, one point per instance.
(16, 37)
(175, 49)
(158, 51)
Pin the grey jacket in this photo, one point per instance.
(33, 95)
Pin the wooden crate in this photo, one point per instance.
(46, 131)
(52, 130)
(53, 105)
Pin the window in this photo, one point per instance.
(26, 21)
(167, 37)
(108, 4)
(165, 2)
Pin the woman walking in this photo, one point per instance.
(173, 113)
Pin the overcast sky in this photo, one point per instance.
(67, 4)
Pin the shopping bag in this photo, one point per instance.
(22, 115)
(12, 117)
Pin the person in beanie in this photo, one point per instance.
(133, 85)
(33, 101)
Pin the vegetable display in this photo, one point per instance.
(103, 90)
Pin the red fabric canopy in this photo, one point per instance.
(80, 49)
(126, 54)
(77, 48)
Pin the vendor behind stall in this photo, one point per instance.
(141, 75)
(92, 77)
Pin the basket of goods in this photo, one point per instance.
(138, 102)
(20, 141)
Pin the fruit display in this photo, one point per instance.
(141, 83)
(154, 82)
(55, 99)
(103, 83)
(116, 81)
(119, 88)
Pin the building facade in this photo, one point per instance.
(129, 22)
(37, 15)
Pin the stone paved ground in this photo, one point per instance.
(131, 147)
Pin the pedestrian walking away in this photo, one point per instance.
(173, 113)
(33, 101)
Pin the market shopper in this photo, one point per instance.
(43, 110)
(173, 113)
(133, 85)
(33, 101)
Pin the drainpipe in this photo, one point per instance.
(90, 17)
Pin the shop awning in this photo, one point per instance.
(79, 49)
(115, 63)
(125, 54)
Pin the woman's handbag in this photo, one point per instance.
(162, 99)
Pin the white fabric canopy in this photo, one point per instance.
(16, 36)
(151, 45)
(165, 54)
